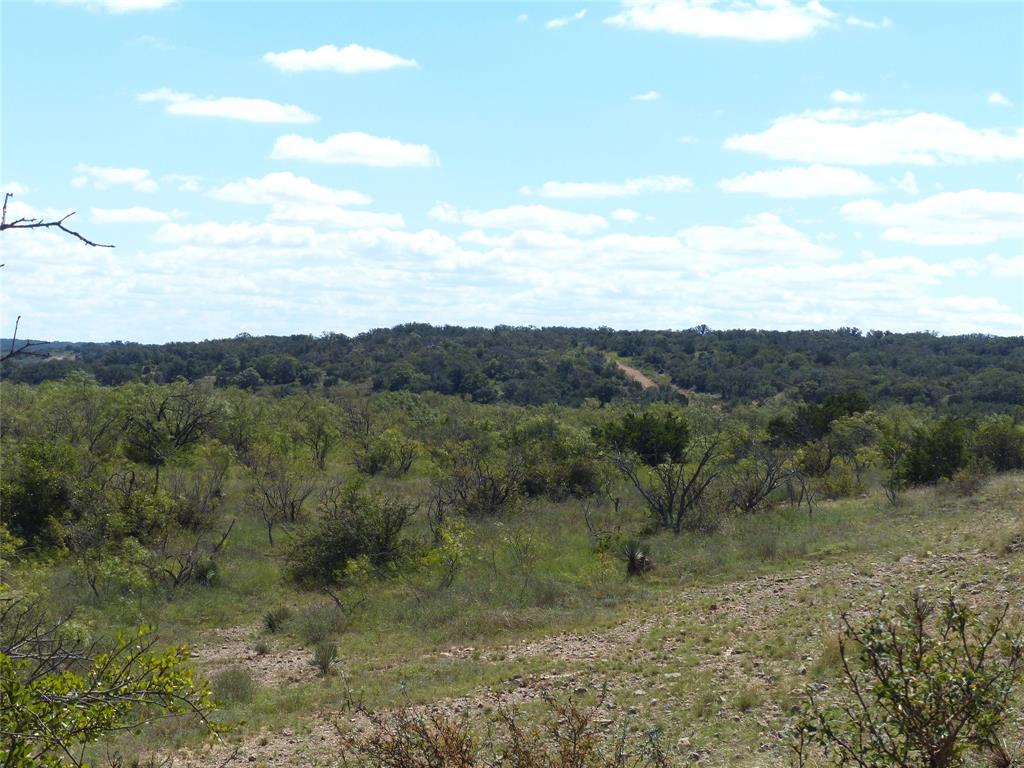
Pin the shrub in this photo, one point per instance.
(637, 561)
(568, 736)
(935, 451)
(233, 686)
(478, 482)
(968, 480)
(319, 622)
(261, 648)
(325, 653)
(351, 524)
(276, 618)
(1000, 442)
(924, 687)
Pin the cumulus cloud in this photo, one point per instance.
(810, 181)
(760, 21)
(1002, 266)
(352, 59)
(134, 215)
(602, 189)
(565, 21)
(996, 99)
(260, 277)
(854, 21)
(970, 217)
(228, 107)
(117, 6)
(334, 216)
(539, 217)
(285, 186)
(353, 148)
(183, 182)
(763, 237)
(646, 96)
(103, 177)
(845, 97)
(906, 183)
(850, 137)
(625, 214)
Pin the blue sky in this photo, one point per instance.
(299, 168)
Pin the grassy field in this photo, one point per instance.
(712, 648)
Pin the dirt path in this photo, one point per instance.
(698, 649)
(639, 377)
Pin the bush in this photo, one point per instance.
(935, 451)
(351, 524)
(1000, 442)
(276, 618)
(567, 736)
(318, 623)
(325, 653)
(233, 686)
(925, 686)
(637, 561)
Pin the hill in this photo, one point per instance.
(531, 366)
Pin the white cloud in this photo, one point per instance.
(539, 217)
(134, 215)
(183, 182)
(522, 17)
(845, 97)
(997, 99)
(228, 107)
(353, 148)
(104, 177)
(565, 21)
(216, 279)
(117, 6)
(334, 216)
(906, 183)
(970, 217)
(602, 189)
(761, 20)
(625, 214)
(850, 137)
(214, 233)
(285, 186)
(763, 237)
(810, 181)
(349, 60)
(14, 188)
(1001, 266)
(854, 21)
(647, 96)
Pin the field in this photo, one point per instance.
(713, 648)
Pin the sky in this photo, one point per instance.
(280, 168)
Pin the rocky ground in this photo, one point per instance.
(716, 666)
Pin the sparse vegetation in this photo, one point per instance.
(498, 556)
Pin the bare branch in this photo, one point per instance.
(24, 223)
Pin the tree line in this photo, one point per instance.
(969, 374)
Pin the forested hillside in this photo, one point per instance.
(530, 366)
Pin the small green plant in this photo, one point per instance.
(925, 686)
(276, 618)
(261, 648)
(319, 622)
(325, 653)
(233, 686)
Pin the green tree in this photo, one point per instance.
(670, 466)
